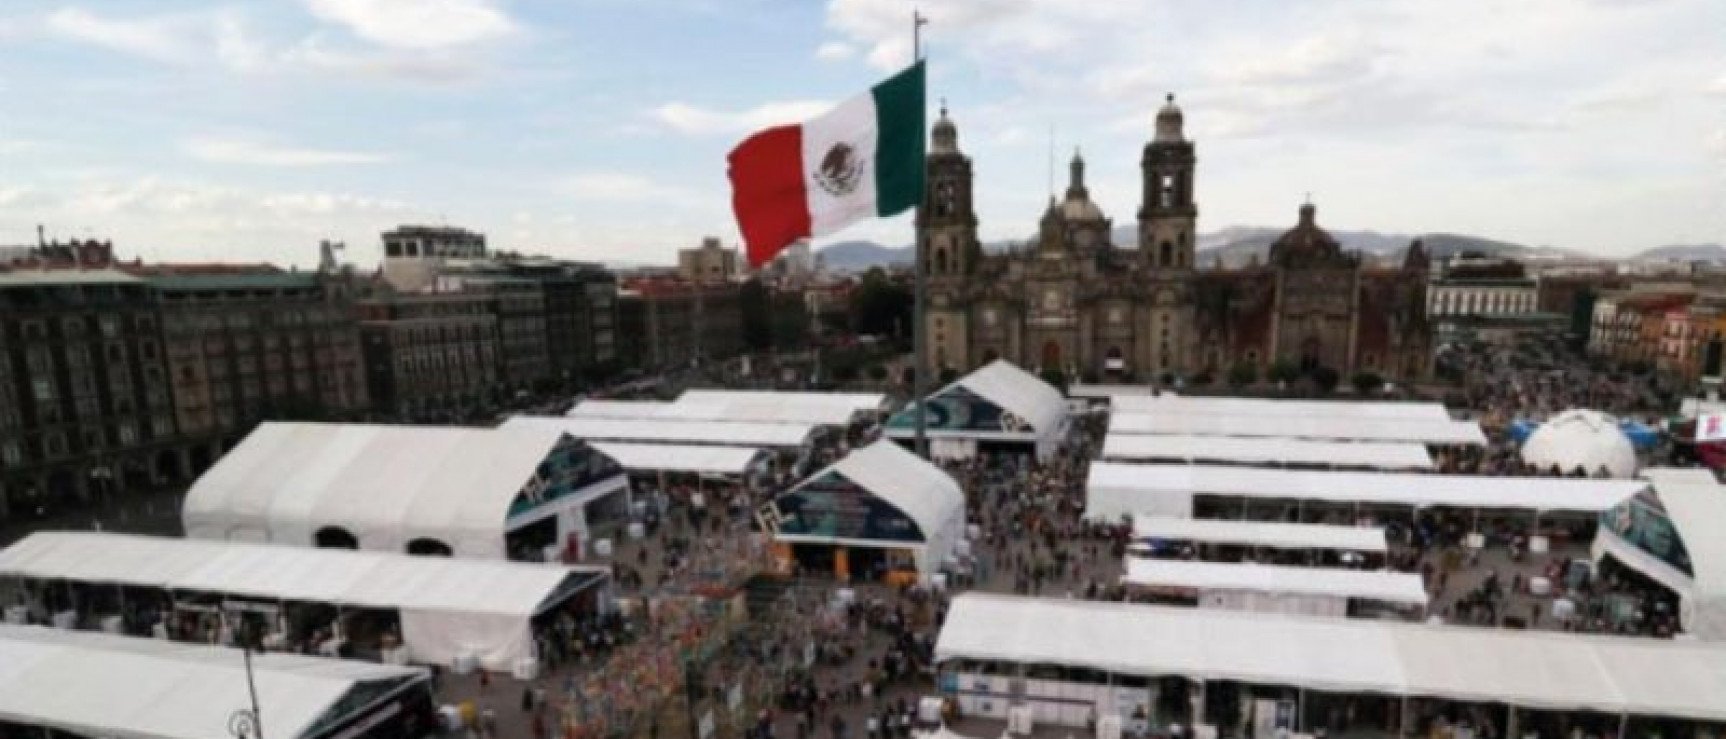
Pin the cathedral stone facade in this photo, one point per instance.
(1073, 301)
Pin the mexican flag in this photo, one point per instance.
(859, 160)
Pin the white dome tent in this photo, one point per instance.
(1581, 438)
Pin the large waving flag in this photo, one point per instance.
(859, 160)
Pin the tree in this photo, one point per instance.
(756, 304)
(1243, 374)
(791, 321)
(947, 375)
(1202, 379)
(1367, 382)
(881, 306)
(1325, 378)
(1054, 377)
(1284, 370)
(877, 372)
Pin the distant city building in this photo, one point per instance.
(253, 343)
(414, 254)
(708, 263)
(1473, 284)
(576, 314)
(85, 408)
(672, 323)
(430, 355)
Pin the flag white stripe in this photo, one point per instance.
(831, 205)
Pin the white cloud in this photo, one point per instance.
(161, 39)
(692, 119)
(417, 24)
(623, 187)
(1719, 86)
(835, 51)
(315, 55)
(221, 150)
(1717, 143)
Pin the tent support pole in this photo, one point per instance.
(1403, 722)
(1623, 725)
(1300, 711)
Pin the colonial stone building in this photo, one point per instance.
(1075, 302)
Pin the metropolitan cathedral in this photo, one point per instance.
(1073, 301)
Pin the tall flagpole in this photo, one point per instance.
(919, 380)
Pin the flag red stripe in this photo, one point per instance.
(767, 191)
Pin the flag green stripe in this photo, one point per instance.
(899, 106)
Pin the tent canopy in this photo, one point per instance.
(925, 494)
(430, 592)
(97, 684)
(1268, 450)
(1556, 671)
(1277, 408)
(1260, 533)
(856, 402)
(1425, 431)
(387, 485)
(1018, 392)
(1114, 489)
(713, 460)
(786, 408)
(1696, 505)
(1390, 587)
(722, 433)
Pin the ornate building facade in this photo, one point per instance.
(1075, 302)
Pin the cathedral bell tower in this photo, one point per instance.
(946, 222)
(1168, 218)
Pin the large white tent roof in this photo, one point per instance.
(1018, 392)
(1555, 671)
(113, 686)
(447, 606)
(1695, 503)
(1426, 431)
(1268, 450)
(1276, 535)
(714, 460)
(385, 484)
(858, 402)
(724, 433)
(1273, 407)
(792, 409)
(346, 577)
(1114, 488)
(928, 496)
(1390, 587)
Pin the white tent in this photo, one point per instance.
(1389, 587)
(1114, 489)
(661, 431)
(1695, 504)
(1556, 671)
(1581, 438)
(1277, 408)
(95, 684)
(448, 606)
(927, 496)
(789, 408)
(856, 402)
(1275, 535)
(385, 485)
(1425, 431)
(710, 460)
(1268, 450)
(1033, 412)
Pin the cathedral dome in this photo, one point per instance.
(1077, 206)
(1306, 244)
(1169, 121)
(945, 134)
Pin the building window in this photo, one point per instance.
(11, 454)
(43, 390)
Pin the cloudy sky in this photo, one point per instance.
(191, 130)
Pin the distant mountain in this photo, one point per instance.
(1683, 253)
(859, 256)
(1237, 245)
